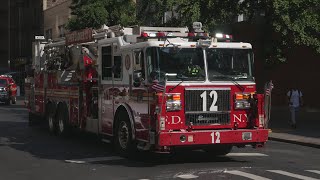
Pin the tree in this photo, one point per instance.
(209, 12)
(295, 22)
(287, 23)
(298, 21)
(95, 13)
(87, 14)
(150, 13)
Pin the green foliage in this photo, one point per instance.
(91, 15)
(287, 23)
(209, 12)
(298, 21)
(95, 13)
(150, 13)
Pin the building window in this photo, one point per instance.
(49, 34)
(61, 30)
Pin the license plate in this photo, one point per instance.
(246, 136)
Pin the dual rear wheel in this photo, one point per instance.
(57, 120)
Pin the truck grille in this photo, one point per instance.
(208, 119)
(218, 99)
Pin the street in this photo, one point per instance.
(32, 153)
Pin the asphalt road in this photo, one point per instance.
(32, 154)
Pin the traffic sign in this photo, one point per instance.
(39, 38)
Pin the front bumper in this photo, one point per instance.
(210, 137)
(4, 98)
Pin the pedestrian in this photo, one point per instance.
(295, 101)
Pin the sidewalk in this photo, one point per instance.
(307, 131)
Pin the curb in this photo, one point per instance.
(295, 142)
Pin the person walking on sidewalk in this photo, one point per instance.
(295, 101)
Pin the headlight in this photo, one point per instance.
(3, 89)
(242, 105)
(242, 101)
(173, 102)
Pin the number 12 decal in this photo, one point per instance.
(215, 137)
(214, 95)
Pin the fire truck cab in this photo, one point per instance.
(153, 88)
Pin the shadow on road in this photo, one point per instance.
(15, 133)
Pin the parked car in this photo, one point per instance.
(18, 77)
(8, 89)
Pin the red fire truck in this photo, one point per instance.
(150, 88)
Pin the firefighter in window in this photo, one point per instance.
(192, 69)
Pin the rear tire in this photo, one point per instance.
(63, 128)
(218, 150)
(51, 119)
(123, 141)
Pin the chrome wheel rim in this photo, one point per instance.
(123, 135)
(61, 125)
(50, 120)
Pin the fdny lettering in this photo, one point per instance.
(175, 120)
(240, 118)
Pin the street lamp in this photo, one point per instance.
(9, 35)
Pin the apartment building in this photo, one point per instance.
(56, 15)
(20, 21)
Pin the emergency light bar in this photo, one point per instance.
(6, 75)
(223, 37)
(189, 35)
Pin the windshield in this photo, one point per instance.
(230, 63)
(176, 63)
(3, 82)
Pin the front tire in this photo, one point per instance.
(14, 100)
(123, 141)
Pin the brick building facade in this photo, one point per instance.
(300, 68)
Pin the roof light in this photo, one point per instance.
(152, 35)
(191, 34)
(219, 35)
(161, 34)
(227, 36)
(143, 34)
(170, 34)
